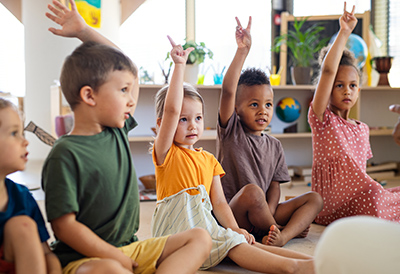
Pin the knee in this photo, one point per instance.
(21, 227)
(203, 239)
(251, 195)
(103, 266)
(316, 199)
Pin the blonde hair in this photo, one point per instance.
(188, 92)
(8, 104)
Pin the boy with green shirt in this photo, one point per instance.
(90, 183)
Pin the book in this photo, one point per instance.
(302, 170)
(382, 167)
(382, 175)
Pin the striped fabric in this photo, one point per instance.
(182, 211)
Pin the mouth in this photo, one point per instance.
(261, 121)
(347, 100)
(25, 156)
(127, 115)
(191, 136)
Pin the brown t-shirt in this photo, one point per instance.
(248, 158)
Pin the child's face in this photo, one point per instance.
(13, 145)
(345, 88)
(191, 124)
(114, 99)
(255, 108)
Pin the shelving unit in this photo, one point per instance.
(373, 110)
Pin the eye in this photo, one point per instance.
(182, 120)
(14, 133)
(124, 90)
(339, 85)
(268, 105)
(353, 85)
(199, 118)
(254, 105)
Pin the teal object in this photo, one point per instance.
(356, 45)
(288, 110)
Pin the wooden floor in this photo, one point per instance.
(31, 178)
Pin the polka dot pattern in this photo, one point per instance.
(340, 153)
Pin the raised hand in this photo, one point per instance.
(348, 21)
(243, 37)
(71, 21)
(178, 54)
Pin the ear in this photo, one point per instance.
(87, 96)
(158, 121)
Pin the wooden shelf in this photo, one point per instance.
(212, 135)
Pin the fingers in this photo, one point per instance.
(60, 6)
(173, 44)
(238, 23)
(353, 10)
(395, 108)
(249, 24)
(344, 9)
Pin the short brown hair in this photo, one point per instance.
(90, 65)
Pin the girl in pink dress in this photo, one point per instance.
(340, 144)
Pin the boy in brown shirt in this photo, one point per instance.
(254, 161)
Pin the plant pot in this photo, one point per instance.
(301, 75)
(191, 74)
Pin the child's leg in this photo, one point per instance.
(185, 252)
(296, 215)
(251, 210)
(269, 259)
(22, 245)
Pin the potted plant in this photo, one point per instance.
(302, 46)
(195, 58)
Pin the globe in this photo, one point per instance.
(288, 110)
(356, 45)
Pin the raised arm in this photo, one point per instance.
(331, 62)
(229, 85)
(173, 103)
(73, 25)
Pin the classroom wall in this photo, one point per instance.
(44, 56)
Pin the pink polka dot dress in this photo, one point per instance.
(340, 153)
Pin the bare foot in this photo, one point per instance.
(274, 237)
(304, 233)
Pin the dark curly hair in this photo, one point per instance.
(348, 59)
(252, 77)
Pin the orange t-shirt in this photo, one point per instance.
(184, 168)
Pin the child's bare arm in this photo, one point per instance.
(229, 85)
(273, 196)
(331, 63)
(73, 25)
(222, 210)
(83, 240)
(52, 263)
(172, 104)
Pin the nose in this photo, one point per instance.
(25, 142)
(263, 110)
(131, 101)
(192, 125)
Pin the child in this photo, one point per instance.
(92, 199)
(254, 161)
(189, 187)
(23, 234)
(340, 144)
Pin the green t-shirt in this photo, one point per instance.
(94, 177)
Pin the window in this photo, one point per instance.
(328, 7)
(143, 36)
(215, 26)
(394, 42)
(12, 58)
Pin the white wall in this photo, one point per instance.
(44, 56)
